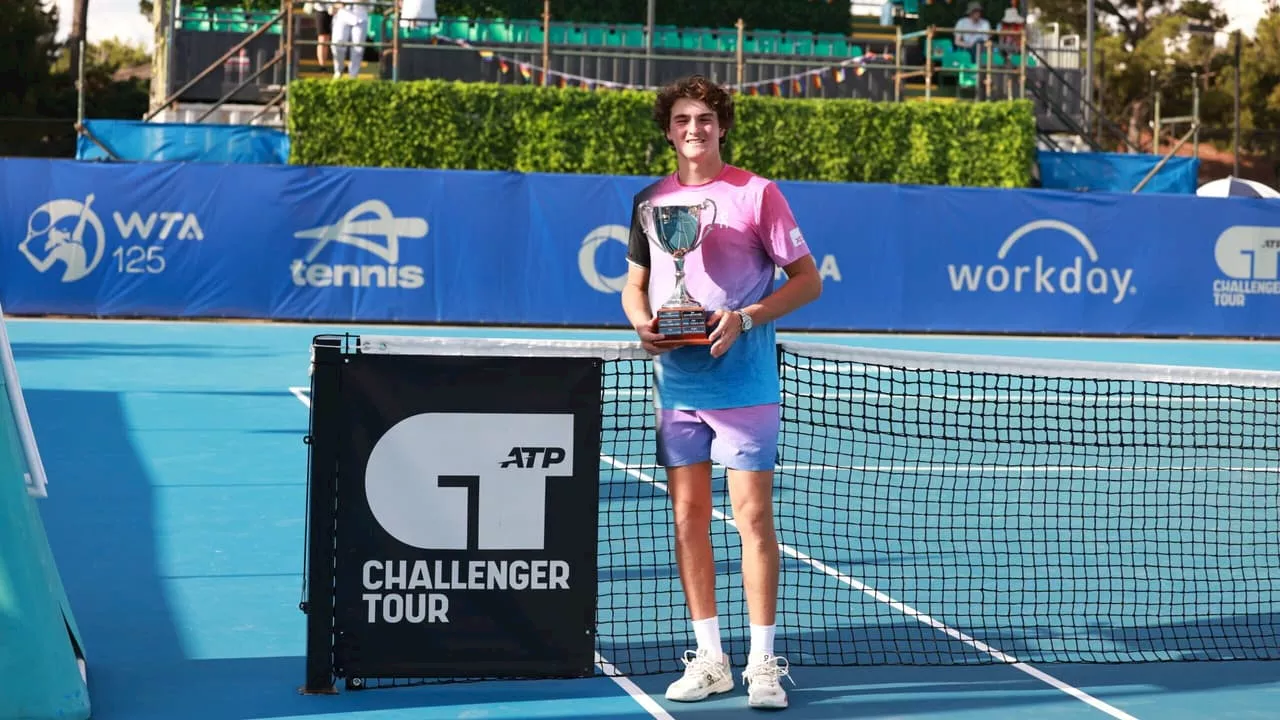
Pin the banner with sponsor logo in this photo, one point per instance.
(393, 245)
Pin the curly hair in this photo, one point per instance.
(694, 87)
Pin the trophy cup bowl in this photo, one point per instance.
(678, 230)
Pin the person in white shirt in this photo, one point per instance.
(350, 26)
(972, 29)
(414, 13)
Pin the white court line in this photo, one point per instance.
(1117, 399)
(641, 698)
(1023, 469)
(905, 609)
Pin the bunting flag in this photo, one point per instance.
(797, 80)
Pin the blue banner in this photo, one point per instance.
(386, 245)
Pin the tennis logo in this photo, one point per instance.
(464, 481)
(589, 264)
(369, 219)
(1041, 276)
(1250, 257)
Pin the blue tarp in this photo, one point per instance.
(1117, 172)
(137, 141)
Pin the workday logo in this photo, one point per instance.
(67, 232)
(589, 265)
(1250, 257)
(1035, 274)
(468, 481)
(369, 219)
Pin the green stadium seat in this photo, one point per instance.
(526, 31)
(941, 47)
(594, 35)
(767, 41)
(496, 31)
(420, 33)
(667, 38)
(575, 36)
(557, 34)
(631, 36)
(457, 28)
(697, 39)
(804, 47)
(962, 61)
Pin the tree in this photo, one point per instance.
(1145, 46)
(27, 52)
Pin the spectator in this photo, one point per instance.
(972, 29)
(1014, 23)
(415, 13)
(324, 29)
(350, 27)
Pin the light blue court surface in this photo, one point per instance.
(176, 512)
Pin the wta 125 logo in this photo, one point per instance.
(1084, 274)
(1249, 256)
(68, 235)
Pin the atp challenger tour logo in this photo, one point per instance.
(464, 481)
(1082, 275)
(1248, 256)
(381, 267)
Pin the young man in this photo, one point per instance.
(720, 402)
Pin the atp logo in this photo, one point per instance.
(369, 218)
(468, 481)
(589, 266)
(67, 232)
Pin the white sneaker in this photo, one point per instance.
(702, 677)
(764, 689)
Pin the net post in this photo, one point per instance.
(322, 471)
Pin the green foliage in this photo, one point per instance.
(454, 125)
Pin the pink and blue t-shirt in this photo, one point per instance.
(753, 234)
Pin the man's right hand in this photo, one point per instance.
(648, 332)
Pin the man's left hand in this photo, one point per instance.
(727, 327)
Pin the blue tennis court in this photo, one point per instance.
(177, 501)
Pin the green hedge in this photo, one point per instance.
(477, 126)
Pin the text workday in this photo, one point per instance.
(1039, 276)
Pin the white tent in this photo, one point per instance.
(1236, 187)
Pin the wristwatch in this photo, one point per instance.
(746, 320)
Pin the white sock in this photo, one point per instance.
(761, 643)
(707, 633)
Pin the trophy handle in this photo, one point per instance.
(645, 211)
(704, 224)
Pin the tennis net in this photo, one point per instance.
(955, 509)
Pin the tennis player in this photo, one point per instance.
(720, 403)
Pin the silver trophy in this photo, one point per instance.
(678, 230)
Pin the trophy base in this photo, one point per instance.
(684, 325)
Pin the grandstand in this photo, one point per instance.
(231, 65)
